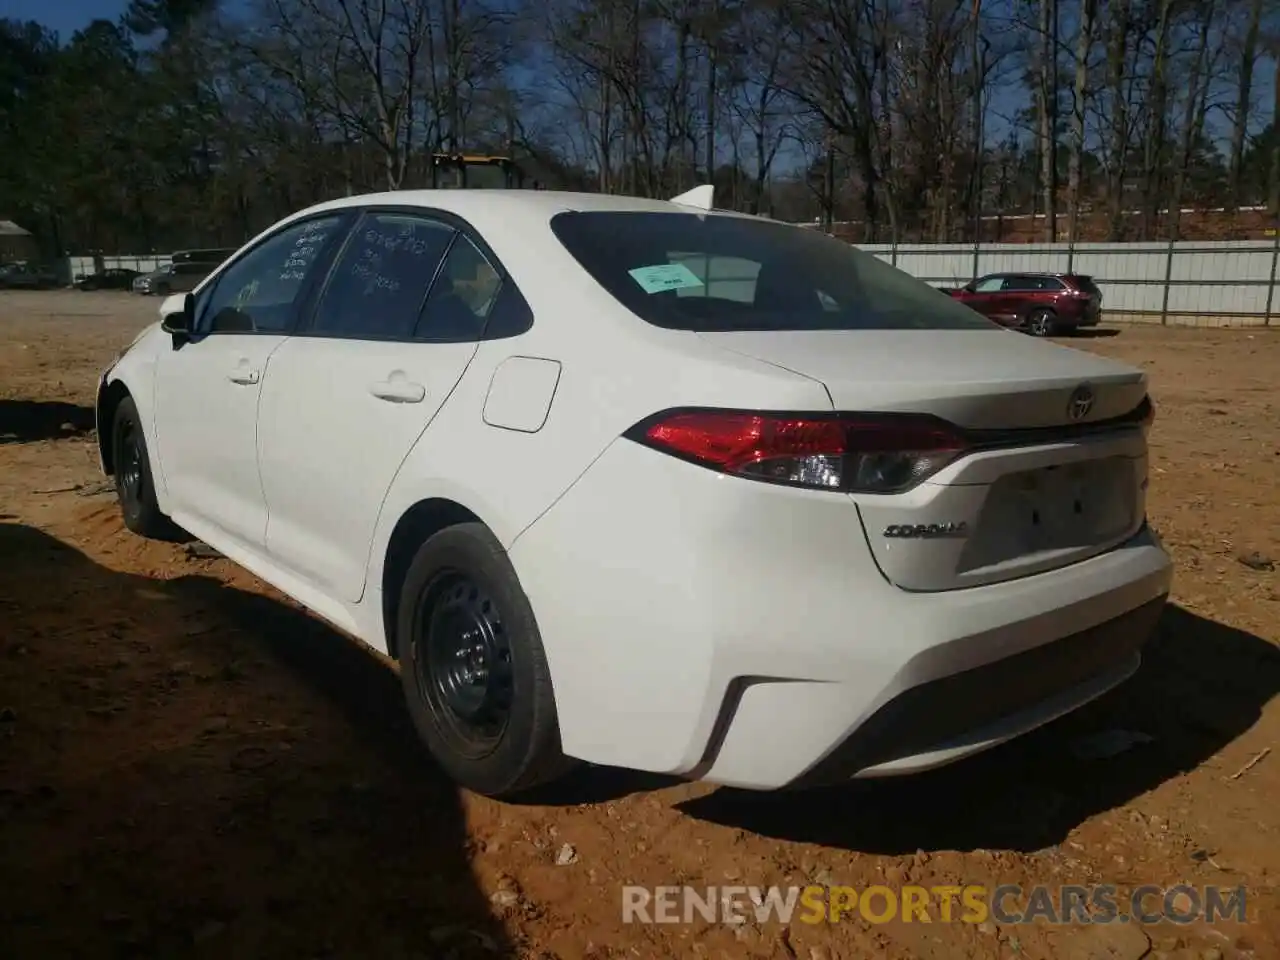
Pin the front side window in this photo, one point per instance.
(710, 273)
(258, 293)
(381, 279)
(989, 285)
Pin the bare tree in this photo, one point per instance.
(1158, 105)
(1047, 108)
(1244, 92)
(1193, 113)
(1118, 139)
(1084, 45)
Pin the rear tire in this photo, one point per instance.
(135, 488)
(1041, 323)
(473, 668)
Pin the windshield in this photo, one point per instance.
(686, 271)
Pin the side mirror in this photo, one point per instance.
(178, 323)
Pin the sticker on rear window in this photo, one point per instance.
(665, 276)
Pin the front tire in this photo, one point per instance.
(472, 665)
(135, 488)
(1041, 323)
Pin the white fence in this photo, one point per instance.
(1224, 283)
(73, 267)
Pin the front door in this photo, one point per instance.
(985, 296)
(207, 390)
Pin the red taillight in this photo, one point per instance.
(868, 454)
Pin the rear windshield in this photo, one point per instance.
(1086, 284)
(686, 271)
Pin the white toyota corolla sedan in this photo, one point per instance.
(644, 484)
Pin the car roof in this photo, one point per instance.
(1036, 273)
(535, 204)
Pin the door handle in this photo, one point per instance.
(398, 391)
(243, 376)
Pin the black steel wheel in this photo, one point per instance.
(465, 676)
(472, 665)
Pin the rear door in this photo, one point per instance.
(1018, 296)
(390, 336)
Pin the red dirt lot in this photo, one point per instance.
(191, 766)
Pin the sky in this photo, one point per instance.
(64, 16)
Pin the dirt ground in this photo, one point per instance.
(191, 766)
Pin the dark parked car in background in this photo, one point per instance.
(172, 278)
(1042, 304)
(113, 278)
(26, 276)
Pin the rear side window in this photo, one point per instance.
(712, 273)
(380, 281)
(463, 296)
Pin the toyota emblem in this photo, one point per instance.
(1081, 402)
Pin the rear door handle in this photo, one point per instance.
(243, 376)
(398, 390)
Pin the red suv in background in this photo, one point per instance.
(1042, 304)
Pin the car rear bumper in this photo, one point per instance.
(951, 716)
(739, 632)
(1087, 316)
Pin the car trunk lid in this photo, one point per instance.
(1056, 470)
(985, 379)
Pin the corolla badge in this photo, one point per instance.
(926, 531)
(1081, 402)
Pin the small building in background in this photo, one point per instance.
(16, 243)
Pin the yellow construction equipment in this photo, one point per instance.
(471, 171)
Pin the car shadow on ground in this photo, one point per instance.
(1095, 333)
(192, 770)
(1202, 684)
(25, 421)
